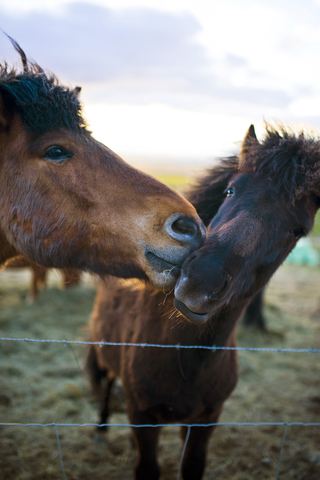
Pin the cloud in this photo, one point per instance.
(90, 43)
(135, 56)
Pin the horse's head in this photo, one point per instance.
(66, 200)
(270, 202)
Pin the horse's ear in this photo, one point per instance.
(249, 140)
(3, 115)
(251, 133)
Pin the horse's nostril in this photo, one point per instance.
(220, 291)
(184, 226)
(189, 232)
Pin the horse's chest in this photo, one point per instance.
(174, 387)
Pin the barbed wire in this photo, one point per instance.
(157, 425)
(189, 426)
(213, 348)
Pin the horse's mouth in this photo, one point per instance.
(192, 317)
(162, 266)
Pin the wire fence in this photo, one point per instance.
(188, 426)
(213, 348)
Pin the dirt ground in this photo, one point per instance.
(45, 383)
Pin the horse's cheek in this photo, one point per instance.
(19, 229)
(22, 223)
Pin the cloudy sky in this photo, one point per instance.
(175, 80)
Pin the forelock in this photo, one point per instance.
(291, 161)
(42, 102)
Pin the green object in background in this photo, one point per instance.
(316, 226)
(304, 254)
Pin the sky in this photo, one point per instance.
(176, 83)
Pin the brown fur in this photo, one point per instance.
(250, 233)
(88, 210)
(161, 385)
(274, 195)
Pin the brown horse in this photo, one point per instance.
(71, 277)
(66, 200)
(256, 213)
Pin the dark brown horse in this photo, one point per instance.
(256, 208)
(66, 200)
(272, 196)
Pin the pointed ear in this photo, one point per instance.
(3, 115)
(249, 140)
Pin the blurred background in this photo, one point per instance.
(169, 85)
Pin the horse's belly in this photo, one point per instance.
(175, 414)
(171, 406)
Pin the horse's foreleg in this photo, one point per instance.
(195, 454)
(101, 385)
(104, 412)
(194, 460)
(146, 441)
(38, 281)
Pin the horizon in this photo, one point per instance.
(171, 80)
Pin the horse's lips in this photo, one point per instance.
(162, 265)
(195, 318)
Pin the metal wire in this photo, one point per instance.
(281, 450)
(60, 454)
(213, 348)
(157, 425)
(183, 451)
(189, 426)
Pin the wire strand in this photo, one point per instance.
(60, 454)
(281, 450)
(157, 425)
(183, 451)
(155, 345)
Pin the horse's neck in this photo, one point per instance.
(222, 325)
(218, 331)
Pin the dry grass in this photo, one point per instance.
(42, 383)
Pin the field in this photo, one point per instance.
(45, 383)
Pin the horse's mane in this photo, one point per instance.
(42, 102)
(290, 161)
(209, 192)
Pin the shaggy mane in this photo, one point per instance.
(290, 161)
(208, 193)
(42, 102)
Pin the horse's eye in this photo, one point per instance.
(57, 154)
(230, 192)
(299, 232)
